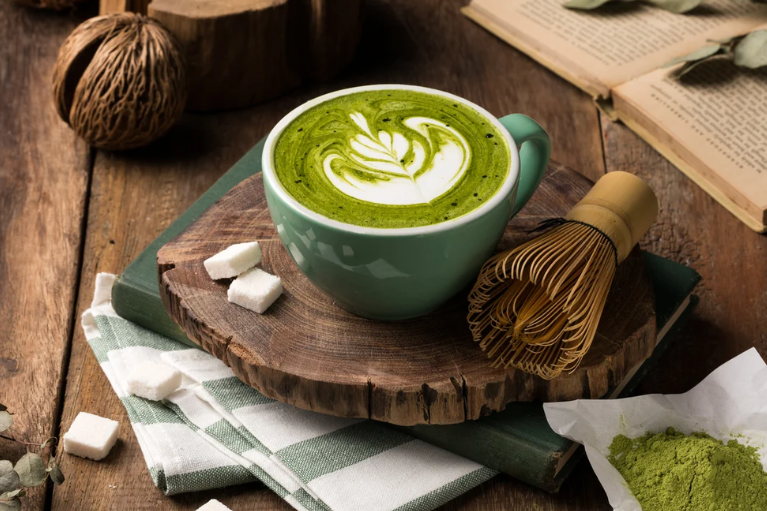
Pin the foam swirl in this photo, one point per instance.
(396, 168)
(391, 158)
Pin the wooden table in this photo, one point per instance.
(67, 212)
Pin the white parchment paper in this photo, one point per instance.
(729, 403)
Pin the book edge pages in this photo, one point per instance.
(661, 335)
(583, 80)
(632, 114)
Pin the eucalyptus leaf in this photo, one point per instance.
(31, 470)
(12, 504)
(699, 54)
(57, 476)
(9, 479)
(20, 492)
(585, 4)
(50, 441)
(5, 467)
(6, 420)
(751, 52)
(677, 6)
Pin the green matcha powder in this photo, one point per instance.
(672, 471)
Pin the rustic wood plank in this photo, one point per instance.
(242, 52)
(693, 229)
(43, 187)
(135, 195)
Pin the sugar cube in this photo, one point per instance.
(153, 380)
(255, 290)
(234, 260)
(91, 436)
(214, 505)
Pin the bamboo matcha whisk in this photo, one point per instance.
(536, 307)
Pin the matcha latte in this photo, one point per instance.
(391, 158)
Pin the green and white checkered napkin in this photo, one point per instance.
(216, 431)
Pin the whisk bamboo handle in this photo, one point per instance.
(537, 306)
(620, 205)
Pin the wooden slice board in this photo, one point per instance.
(307, 352)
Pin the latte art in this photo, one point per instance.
(391, 158)
(396, 168)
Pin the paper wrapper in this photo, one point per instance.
(729, 403)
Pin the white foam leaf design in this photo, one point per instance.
(374, 169)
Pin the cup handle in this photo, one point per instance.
(534, 153)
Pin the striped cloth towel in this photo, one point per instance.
(215, 431)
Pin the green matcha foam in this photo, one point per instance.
(391, 158)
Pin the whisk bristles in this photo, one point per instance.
(537, 307)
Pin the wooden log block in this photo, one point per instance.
(114, 6)
(308, 352)
(333, 31)
(241, 52)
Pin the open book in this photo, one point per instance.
(712, 123)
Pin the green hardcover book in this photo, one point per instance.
(516, 441)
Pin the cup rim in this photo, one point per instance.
(501, 195)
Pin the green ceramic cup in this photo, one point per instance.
(393, 274)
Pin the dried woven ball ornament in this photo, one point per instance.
(537, 307)
(120, 81)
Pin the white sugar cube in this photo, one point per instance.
(91, 436)
(233, 261)
(255, 290)
(214, 505)
(153, 380)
